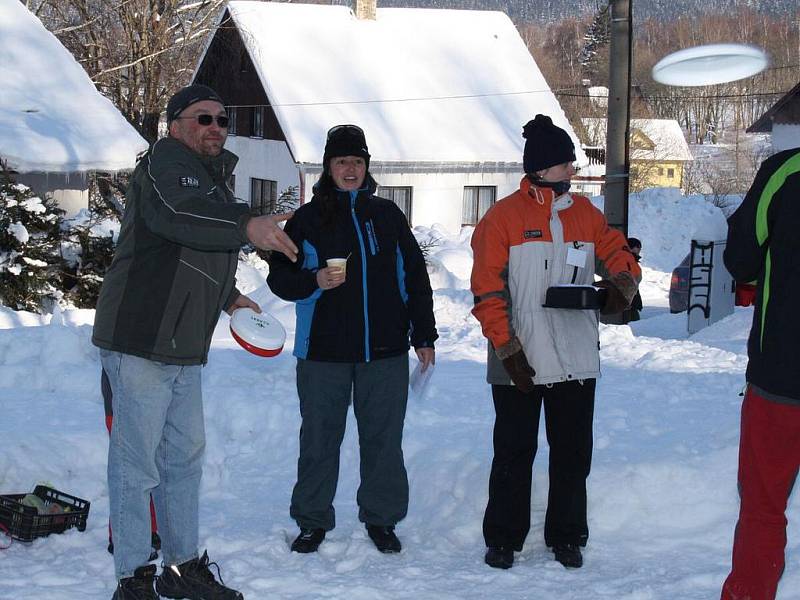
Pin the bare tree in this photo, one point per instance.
(137, 52)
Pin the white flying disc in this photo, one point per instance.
(259, 333)
(709, 65)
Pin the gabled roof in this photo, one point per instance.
(52, 118)
(666, 136)
(425, 85)
(790, 102)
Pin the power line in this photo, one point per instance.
(387, 100)
(676, 97)
(557, 92)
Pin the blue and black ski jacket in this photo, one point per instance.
(385, 302)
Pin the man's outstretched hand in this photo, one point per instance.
(265, 233)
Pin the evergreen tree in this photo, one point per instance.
(88, 245)
(592, 58)
(288, 200)
(30, 259)
(92, 254)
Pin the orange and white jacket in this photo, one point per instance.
(526, 243)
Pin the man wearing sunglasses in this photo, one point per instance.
(173, 273)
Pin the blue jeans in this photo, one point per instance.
(157, 445)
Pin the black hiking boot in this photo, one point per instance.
(384, 538)
(194, 580)
(308, 541)
(138, 587)
(568, 555)
(499, 557)
(155, 543)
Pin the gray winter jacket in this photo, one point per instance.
(175, 264)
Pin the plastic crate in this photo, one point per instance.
(25, 524)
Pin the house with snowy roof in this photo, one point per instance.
(442, 96)
(55, 127)
(781, 121)
(658, 150)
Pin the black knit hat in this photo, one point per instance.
(546, 145)
(345, 140)
(185, 97)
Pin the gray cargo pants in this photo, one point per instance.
(380, 392)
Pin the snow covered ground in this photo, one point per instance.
(662, 491)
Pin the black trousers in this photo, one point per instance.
(568, 410)
(379, 391)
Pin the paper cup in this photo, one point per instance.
(339, 264)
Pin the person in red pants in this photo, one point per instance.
(105, 388)
(763, 246)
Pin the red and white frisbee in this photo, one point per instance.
(258, 333)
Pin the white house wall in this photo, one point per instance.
(69, 190)
(785, 137)
(263, 159)
(437, 198)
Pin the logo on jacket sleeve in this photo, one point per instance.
(192, 182)
(530, 234)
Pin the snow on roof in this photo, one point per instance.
(598, 94)
(666, 135)
(425, 85)
(52, 118)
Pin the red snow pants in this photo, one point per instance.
(769, 457)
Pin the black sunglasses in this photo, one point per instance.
(350, 128)
(206, 120)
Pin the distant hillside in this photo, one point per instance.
(554, 10)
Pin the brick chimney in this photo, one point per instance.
(365, 9)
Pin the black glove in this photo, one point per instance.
(616, 302)
(520, 371)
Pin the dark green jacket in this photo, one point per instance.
(764, 245)
(175, 263)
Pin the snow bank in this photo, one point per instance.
(662, 492)
(666, 221)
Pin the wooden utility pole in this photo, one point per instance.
(619, 108)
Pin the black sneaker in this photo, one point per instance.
(384, 538)
(138, 587)
(568, 555)
(308, 541)
(194, 580)
(499, 557)
(155, 543)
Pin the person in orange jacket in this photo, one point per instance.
(542, 236)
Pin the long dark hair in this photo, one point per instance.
(326, 193)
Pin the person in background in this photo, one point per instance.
(541, 236)
(633, 313)
(173, 273)
(763, 246)
(352, 339)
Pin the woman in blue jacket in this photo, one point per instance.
(354, 329)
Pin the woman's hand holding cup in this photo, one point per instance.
(333, 275)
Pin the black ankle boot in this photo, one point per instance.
(308, 541)
(499, 557)
(138, 587)
(568, 555)
(384, 538)
(195, 581)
